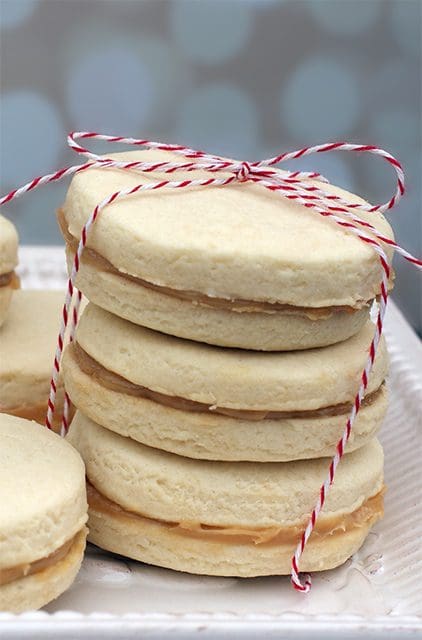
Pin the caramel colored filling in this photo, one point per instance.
(23, 570)
(93, 258)
(38, 413)
(117, 383)
(10, 280)
(367, 514)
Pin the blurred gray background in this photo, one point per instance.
(245, 78)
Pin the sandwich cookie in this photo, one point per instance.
(28, 342)
(43, 514)
(8, 261)
(208, 402)
(235, 266)
(219, 518)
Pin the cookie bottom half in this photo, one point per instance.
(38, 589)
(200, 551)
(278, 331)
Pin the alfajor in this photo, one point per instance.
(238, 266)
(28, 342)
(8, 262)
(223, 518)
(208, 402)
(42, 514)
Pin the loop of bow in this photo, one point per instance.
(298, 186)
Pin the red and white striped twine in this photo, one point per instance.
(291, 185)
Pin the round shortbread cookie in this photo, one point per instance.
(213, 436)
(278, 331)
(230, 378)
(36, 590)
(168, 259)
(233, 519)
(43, 513)
(240, 241)
(151, 542)
(173, 488)
(37, 517)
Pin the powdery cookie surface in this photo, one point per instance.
(240, 241)
(230, 378)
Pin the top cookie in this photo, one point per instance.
(238, 242)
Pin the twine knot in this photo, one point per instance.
(244, 172)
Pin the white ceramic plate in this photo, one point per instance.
(377, 592)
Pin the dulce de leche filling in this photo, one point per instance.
(366, 515)
(117, 383)
(9, 280)
(93, 258)
(11, 574)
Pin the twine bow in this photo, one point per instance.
(296, 186)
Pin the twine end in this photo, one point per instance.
(304, 587)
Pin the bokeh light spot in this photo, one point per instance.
(210, 31)
(345, 18)
(406, 22)
(109, 87)
(320, 100)
(14, 12)
(219, 118)
(32, 136)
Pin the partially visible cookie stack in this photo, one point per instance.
(28, 340)
(29, 325)
(43, 506)
(8, 262)
(43, 514)
(214, 368)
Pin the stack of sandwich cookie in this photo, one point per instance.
(43, 514)
(215, 367)
(8, 262)
(28, 342)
